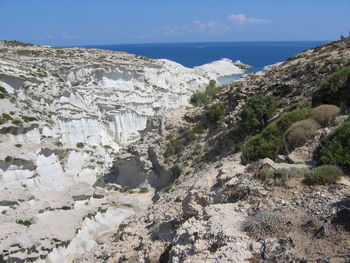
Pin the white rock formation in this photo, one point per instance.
(64, 116)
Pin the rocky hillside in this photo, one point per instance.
(224, 207)
(65, 114)
(101, 163)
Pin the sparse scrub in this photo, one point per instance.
(174, 147)
(216, 112)
(7, 117)
(17, 122)
(26, 223)
(8, 159)
(325, 174)
(202, 98)
(331, 90)
(265, 224)
(269, 143)
(335, 148)
(325, 115)
(80, 144)
(257, 112)
(300, 133)
(199, 128)
(18, 145)
(29, 119)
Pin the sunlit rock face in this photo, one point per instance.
(65, 113)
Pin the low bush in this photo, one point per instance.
(2, 96)
(216, 112)
(269, 142)
(80, 144)
(330, 92)
(7, 117)
(8, 159)
(199, 128)
(199, 99)
(26, 223)
(3, 90)
(202, 98)
(300, 133)
(29, 119)
(335, 148)
(265, 224)
(325, 174)
(325, 115)
(174, 147)
(188, 136)
(17, 122)
(257, 112)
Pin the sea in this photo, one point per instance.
(256, 54)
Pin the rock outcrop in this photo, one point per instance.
(64, 116)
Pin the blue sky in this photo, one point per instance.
(89, 22)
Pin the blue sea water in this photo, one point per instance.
(256, 54)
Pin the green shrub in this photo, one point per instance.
(17, 122)
(199, 128)
(216, 112)
(325, 115)
(269, 142)
(18, 145)
(330, 91)
(26, 223)
(2, 96)
(29, 119)
(174, 147)
(265, 224)
(335, 149)
(199, 99)
(202, 98)
(286, 120)
(188, 136)
(257, 112)
(80, 144)
(300, 133)
(3, 90)
(7, 117)
(58, 143)
(143, 190)
(325, 174)
(8, 159)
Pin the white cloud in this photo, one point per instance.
(242, 19)
(211, 26)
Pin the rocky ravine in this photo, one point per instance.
(203, 216)
(65, 116)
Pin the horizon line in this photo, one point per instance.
(188, 42)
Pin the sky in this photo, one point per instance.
(93, 22)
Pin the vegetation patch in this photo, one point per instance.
(325, 174)
(29, 119)
(325, 115)
(256, 113)
(8, 159)
(269, 142)
(216, 112)
(331, 91)
(265, 224)
(26, 223)
(203, 98)
(80, 144)
(7, 117)
(335, 148)
(300, 133)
